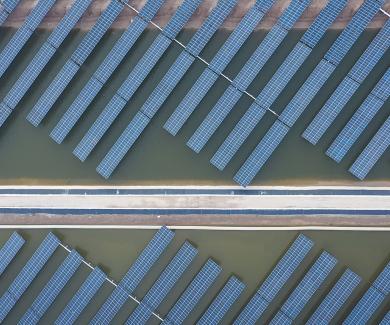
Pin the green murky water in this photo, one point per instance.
(29, 156)
(248, 254)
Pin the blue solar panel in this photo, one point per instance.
(123, 144)
(52, 93)
(373, 151)
(74, 112)
(96, 33)
(264, 5)
(335, 299)
(3, 16)
(352, 32)
(9, 5)
(67, 23)
(29, 75)
(332, 108)
(163, 285)
(5, 112)
(53, 288)
(382, 88)
(82, 298)
(323, 21)
(222, 303)
(134, 275)
(365, 308)
(354, 128)
(210, 26)
(38, 13)
(27, 274)
(150, 9)
(382, 282)
(292, 13)
(281, 319)
(386, 319)
(307, 92)
(261, 153)
(252, 311)
(310, 283)
(9, 250)
(193, 293)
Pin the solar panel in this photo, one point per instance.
(5, 112)
(222, 303)
(280, 319)
(3, 16)
(52, 93)
(53, 288)
(96, 33)
(264, 5)
(292, 13)
(354, 128)
(323, 21)
(193, 293)
(352, 32)
(252, 311)
(163, 285)
(332, 108)
(386, 319)
(82, 297)
(261, 153)
(372, 152)
(9, 250)
(307, 92)
(150, 9)
(310, 283)
(134, 275)
(210, 26)
(38, 13)
(123, 145)
(382, 282)
(335, 299)
(365, 308)
(382, 88)
(10, 5)
(27, 274)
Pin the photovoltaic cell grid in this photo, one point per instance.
(134, 275)
(280, 319)
(6, 8)
(134, 80)
(386, 319)
(372, 152)
(360, 120)
(310, 283)
(9, 250)
(82, 298)
(3, 16)
(27, 274)
(222, 303)
(163, 285)
(53, 288)
(252, 310)
(335, 299)
(69, 70)
(193, 293)
(292, 13)
(382, 282)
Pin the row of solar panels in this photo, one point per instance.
(375, 297)
(203, 85)
(6, 8)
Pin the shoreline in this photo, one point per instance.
(17, 18)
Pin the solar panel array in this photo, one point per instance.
(135, 79)
(69, 70)
(20, 38)
(386, 319)
(52, 289)
(134, 276)
(27, 275)
(9, 250)
(222, 303)
(193, 293)
(360, 119)
(6, 7)
(335, 299)
(348, 87)
(224, 56)
(163, 285)
(372, 152)
(82, 297)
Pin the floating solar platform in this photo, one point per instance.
(163, 285)
(372, 152)
(52, 289)
(222, 303)
(27, 274)
(135, 79)
(360, 120)
(134, 276)
(69, 70)
(335, 299)
(82, 298)
(9, 250)
(193, 293)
